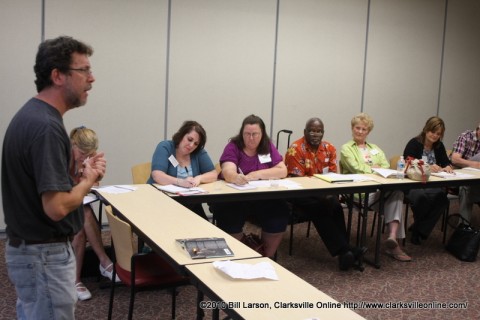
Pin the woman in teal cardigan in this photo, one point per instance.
(183, 161)
(359, 156)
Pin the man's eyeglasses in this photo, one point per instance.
(85, 71)
(315, 133)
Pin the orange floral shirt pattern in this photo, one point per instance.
(301, 160)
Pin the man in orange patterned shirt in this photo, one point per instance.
(305, 157)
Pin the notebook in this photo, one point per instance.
(204, 248)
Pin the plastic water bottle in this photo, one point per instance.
(401, 168)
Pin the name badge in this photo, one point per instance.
(374, 152)
(327, 159)
(264, 158)
(173, 161)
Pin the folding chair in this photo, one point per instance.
(139, 271)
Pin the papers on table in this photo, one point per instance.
(247, 186)
(455, 175)
(170, 188)
(89, 198)
(470, 168)
(386, 173)
(116, 189)
(274, 183)
(246, 271)
(333, 177)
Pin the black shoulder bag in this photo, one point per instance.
(464, 243)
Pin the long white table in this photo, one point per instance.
(315, 187)
(391, 184)
(290, 297)
(159, 220)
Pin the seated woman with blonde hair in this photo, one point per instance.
(84, 145)
(360, 156)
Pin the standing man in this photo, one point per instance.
(306, 157)
(42, 206)
(466, 153)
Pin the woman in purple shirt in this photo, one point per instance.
(248, 156)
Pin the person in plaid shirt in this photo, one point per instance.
(305, 157)
(466, 153)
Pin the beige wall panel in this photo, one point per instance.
(403, 69)
(20, 35)
(126, 105)
(221, 66)
(320, 60)
(460, 98)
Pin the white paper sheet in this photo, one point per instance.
(171, 188)
(247, 271)
(455, 175)
(272, 183)
(116, 189)
(89, 198)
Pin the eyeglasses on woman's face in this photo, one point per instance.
(253, 135)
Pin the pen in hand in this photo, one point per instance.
(241, 172)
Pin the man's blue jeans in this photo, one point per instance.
(44, 279)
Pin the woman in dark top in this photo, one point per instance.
(428, 204)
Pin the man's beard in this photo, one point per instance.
(74, 100)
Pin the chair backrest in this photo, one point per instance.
(122, 238)
(141, 172)
(393, 161)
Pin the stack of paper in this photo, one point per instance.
(386, 173)
(170, 188)
(333, 177)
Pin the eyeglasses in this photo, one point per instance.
(315, 133)
(86, 71)
(251, 134)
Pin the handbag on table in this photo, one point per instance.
(464, 243)
(417, 169)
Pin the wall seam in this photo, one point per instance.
(167, 69)
(42, 22)
(272, 112)
(362, 102)
(442, 57)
